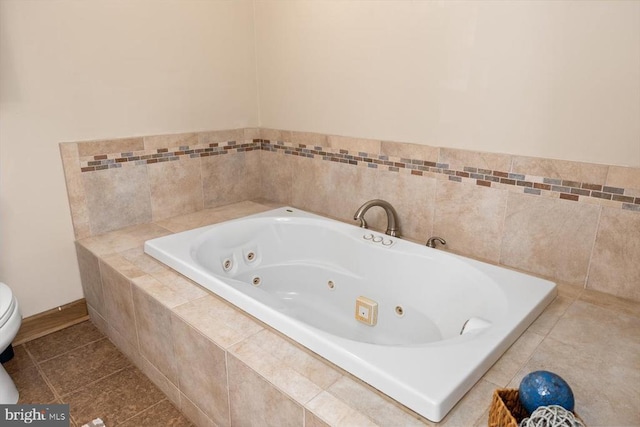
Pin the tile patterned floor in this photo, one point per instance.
(81, 367)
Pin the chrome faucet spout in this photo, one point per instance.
(392, 215)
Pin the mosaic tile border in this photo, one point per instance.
(530, 184)
(159, 155)
(586, 192)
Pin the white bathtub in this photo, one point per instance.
(301, 274)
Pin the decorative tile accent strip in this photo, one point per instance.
(116, 160)
(528, 184)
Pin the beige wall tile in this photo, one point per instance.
(335, 412)
(623, 177)
(75, 190)
(153, 320)
(98, 321)
(330, 188)
(163, 383)
(310, 420)
(93, 148)
(123, 239)
(125, 345)
(413, 197)
(90, 278)
(117, 198)
(195, 414)
(212, 215)
(286, 378)
(175, 188)
(562, 169)
(276, 176)
(470, 218)
(458, 159)
(255, 401)
(230, 178)
(410, 151)
(169, 288)
(354, 145)
(381, 410)
(217, 320)
(292, 356)
(118, 300)
(170, 141)
(549, 237)
(615, 265)
(202, 371)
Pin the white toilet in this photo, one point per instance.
(10, 319)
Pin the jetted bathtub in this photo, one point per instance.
(419, 324)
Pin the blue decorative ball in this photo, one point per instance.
(543, 388)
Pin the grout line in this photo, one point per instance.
(593, 248)
(146, 409)
(72, 350)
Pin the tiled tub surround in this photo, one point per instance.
(221, 367)
(575, 223)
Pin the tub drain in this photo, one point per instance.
(256, 281)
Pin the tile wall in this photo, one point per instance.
(575, 223)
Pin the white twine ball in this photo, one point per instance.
(551, 416)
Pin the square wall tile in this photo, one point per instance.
(230, 178)
(470, 218)
(276, 176)
(413, 197)
(117, 198)
(175, 188)
(202, 371)
(330, 188)
(549, 237)
(153, 320)
(615, 265)
(255, 402)
(90, 278)
(118, 299)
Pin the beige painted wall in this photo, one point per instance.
(541, 78)
(79, 70)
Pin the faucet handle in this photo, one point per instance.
(432, 241)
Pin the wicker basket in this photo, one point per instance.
(506, 409)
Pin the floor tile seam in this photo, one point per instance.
(523, 364)
(92, 383)
(44, 377)
(617, 309)
(70, 351)
(143, 410)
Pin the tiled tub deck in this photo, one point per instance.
(222, 367)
